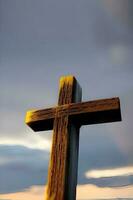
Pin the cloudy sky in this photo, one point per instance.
(41, 40)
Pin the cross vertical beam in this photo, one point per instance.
(62, 174)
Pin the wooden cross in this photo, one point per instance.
(65, 120)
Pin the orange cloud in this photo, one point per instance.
(85, 192)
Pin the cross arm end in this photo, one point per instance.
(98, 111)
(40, 120)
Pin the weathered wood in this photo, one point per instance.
(62, 175)
(65, 120)
(91, 112)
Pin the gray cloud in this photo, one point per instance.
(112, 182)
(24, 167)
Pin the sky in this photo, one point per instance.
(39, 42)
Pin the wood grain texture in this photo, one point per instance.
(65, 119)
(91, 112)
(62, 175)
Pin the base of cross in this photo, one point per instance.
(66, 119)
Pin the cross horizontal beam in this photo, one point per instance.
(91, 112)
